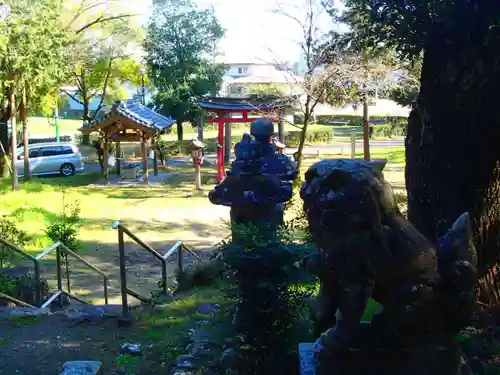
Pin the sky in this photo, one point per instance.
(253, 31)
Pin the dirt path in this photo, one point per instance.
(40, 346)
(200, 228)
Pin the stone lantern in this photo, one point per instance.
(197, 148)
(258, 183)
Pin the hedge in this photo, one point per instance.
(62, 138)
(352, 120)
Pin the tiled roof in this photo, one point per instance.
(141, 114)
(136, 112)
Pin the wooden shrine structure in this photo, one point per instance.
(129, 121)
(227, 111)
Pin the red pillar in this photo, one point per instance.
(220, 149)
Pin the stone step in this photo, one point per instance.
(82, 368)
(307, 359)
(77, 313)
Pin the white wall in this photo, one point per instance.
(243, 70)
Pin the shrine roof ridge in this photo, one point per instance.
(247, 104)
(138, 113)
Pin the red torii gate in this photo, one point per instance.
(223, 108)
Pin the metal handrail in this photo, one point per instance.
(36, 265)
(57, 247)
(178, 247)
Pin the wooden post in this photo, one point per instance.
(155, 156)
(105, 159)
(24, 119)
(227, 143)
(13, 139)
(144, 158)
(366, 127)
(197, 173)
(118, 158)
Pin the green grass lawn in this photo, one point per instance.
(159, 215)
(45, 126)
(393, 155)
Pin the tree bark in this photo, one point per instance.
(366, 127)
(13, 141)
(24, 120)
(180, 131)
(87, 119)
(452, 145)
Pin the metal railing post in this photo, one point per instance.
(105, 290)
(179, 258)
(164, 277)
(38, 281)
(59, 274)
(123, 275)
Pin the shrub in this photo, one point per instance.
(388, 131)
(65, 229)
(12, 234)
(353, 120)
(271, 300)
(199, 274)
(21, 284)
(292, 138)
(166, 149)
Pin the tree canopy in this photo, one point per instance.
(33, 50)
(180, 40)
(409, 25)
(456, 109)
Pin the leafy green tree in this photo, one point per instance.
(33, 50)
(406, 94)
(453, 132)
(179, 40)
(103, 50)
(102, 79)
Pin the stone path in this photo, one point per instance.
(41, 345)
(117, 181)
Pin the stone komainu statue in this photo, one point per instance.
(369, 250)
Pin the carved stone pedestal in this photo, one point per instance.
(370, 353)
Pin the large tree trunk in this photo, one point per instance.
(87, 119)
(24, 120)
(180, 131)
(4, 140)
(13, 142)
(453, 143)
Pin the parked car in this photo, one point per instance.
(51, 158)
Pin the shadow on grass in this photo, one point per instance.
(180, 185)
(45, 183)
(143, 269)
(167, 327)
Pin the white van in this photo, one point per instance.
(51, 158)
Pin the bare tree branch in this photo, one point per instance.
(83, 10)
(73, 96)
(102, 19)
(104, 89)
